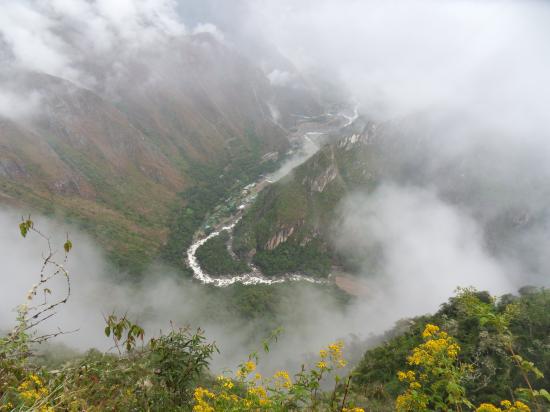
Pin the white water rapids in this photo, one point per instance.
(352, 118)
(252, 278)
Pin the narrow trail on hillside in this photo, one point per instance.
(255, 276)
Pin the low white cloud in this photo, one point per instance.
(16, 106)
(401, 56)
(61, 37)
(280, 77)
(417, 249)
(210, 29)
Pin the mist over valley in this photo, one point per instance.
(370, 176)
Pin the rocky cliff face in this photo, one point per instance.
(280, 237)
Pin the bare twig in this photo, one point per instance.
(348, 382)
(33, 316)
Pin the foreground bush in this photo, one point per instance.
(248, 390)
(489, 361)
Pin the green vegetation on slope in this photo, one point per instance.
(305, 201)
(131, 236)
(264, 303)
(215, 259)
(211, 185)
(311, 259)
(496, 373)
(129, 246)
(115, 170)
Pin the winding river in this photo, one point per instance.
(255, 277)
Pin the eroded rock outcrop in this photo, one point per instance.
(280, 237)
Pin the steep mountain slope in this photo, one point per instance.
(113, 158)
(81, 157)
(197, 97)
(289, 226)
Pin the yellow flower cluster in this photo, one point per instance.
(410, 377)
(228, 397)
(488, 407)
(436, 345)
(202, 396)
(438, 353)
(245, 369)
(32, 390)
(507, 406)
(408, 402)
(258, 391)
(250, 366)
(225, 382)
(282, 379)
(436, 362)
(201, 393)
(430, 330)
(332, 356)
(249, 391)
(336, 349)
(259, 394)
(406, 376)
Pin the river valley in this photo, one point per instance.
(308, 137)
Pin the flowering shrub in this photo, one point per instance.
(30, 394)
(33, 393)
(507, 406)
(499, 322)
(436, 382)
(248, 390)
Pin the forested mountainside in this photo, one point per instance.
(292, 225)
(117, 157)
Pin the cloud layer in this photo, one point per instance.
(57, 37)
(401, 56)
